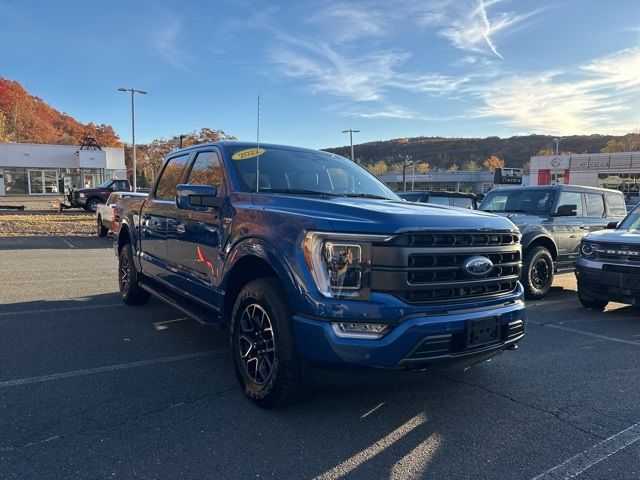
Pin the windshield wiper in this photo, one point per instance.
(364, 195)
(294, 191)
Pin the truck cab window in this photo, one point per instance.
(595, 205)
(170, 178)
(206, 170)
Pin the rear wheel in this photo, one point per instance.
(537, 272)
(591, 303)
(130, 289)
(264, 354)
(102, 230)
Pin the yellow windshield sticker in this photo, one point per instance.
(248, 153)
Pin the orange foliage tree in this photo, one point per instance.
(493, 162)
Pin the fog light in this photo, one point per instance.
(360, 330)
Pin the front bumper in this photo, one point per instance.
(420, 342)
(612, 282)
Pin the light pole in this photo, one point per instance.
(557, 140)
(133, 131)
(351, 131)
(407, 163)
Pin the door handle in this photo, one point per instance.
(179, 226)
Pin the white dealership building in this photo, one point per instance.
(620, 170)
(38, 169)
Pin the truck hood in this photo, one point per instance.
(88, 190)
(363, 215)
(614, 236)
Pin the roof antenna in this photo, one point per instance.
(258, 150)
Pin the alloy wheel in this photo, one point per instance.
(539, 273)
(257, 344)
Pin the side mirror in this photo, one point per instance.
(612, 225)
(570, 210)
(197, 197)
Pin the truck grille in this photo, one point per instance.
(619, 253)
(433, 266)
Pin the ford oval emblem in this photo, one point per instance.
(478, 266)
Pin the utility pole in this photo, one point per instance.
(351, 131)
(133, 131)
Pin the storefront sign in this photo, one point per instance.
(592, 164)
(508, 176)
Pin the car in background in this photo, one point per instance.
(552, 220)
(90, 198)
(608, 269)
(108, 214)
(450, 199)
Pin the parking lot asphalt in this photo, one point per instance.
(91, 388)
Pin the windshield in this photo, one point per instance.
(105, 184)
(632, 222)
(526, 200)
(304, 173)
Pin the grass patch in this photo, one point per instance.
(53, 224)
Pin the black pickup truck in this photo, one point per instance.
(318, 267)
(553, 219)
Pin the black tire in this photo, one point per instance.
(537, 273)
(591, 303)
(130, 290)
(263, 347)
(102, 230)
(92, 204)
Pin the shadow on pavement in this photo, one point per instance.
(55, 242)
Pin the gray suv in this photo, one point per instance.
(553, 219)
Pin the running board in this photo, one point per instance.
(199, 314)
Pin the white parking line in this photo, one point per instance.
(67, 309)
(69, 244)
(368, 453)
(109, 368)
(577, 464)
(595, 335)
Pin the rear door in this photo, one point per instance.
(596, 211)
(159, 207)
(195, 237)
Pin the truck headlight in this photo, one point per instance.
(587, 249)
(341, 263)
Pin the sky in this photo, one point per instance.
(389, 68)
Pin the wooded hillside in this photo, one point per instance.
(442, 153)
(25, 118)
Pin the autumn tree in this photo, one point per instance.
(493, 162)
(378, 168)
(543, 152)
(423, 167)
(614, 146)
(454, 168)
(470, 166)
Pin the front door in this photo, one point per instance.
(195, 238)
(158, 208)
(569, 230)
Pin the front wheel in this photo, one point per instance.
(264, 354)
(537, 273)
(92, 205)
(130, 289)
(591, 303)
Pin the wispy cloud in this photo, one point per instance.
(598, 99)
(165, 41)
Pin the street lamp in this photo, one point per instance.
(133, 131)
(351, 131)
(557, 140)
(407, 163)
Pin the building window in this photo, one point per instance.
(15, 181)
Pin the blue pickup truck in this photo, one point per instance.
(315, 266)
